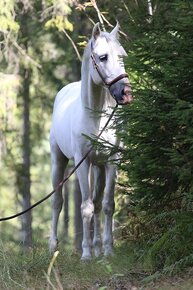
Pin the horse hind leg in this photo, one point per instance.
(98, 191)
(108, 205)
(59, 163)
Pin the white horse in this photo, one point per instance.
(102, 76)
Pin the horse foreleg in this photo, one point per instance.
(87, 207)
(98, 190)
(59, 162)
(108, 205)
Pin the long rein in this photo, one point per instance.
(65, 178)
(108, 85)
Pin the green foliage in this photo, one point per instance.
(173, 249)
(157, 132)
(59, 11)
(156, 119)
(7, 18)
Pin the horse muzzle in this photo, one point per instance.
(122, 93)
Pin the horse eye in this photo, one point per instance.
(103, 57)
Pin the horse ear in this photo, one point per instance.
(96, 31)
(115, 32)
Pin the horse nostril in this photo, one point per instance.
(122, 92)
(126, 95)
(126, 91)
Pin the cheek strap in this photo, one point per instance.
(108, 84)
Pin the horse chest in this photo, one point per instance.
(109, 134)
(100, 154)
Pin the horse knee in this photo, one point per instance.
(87, 209)
(108, 207)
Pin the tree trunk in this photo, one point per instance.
(25, 181)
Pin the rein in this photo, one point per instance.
(65, 178)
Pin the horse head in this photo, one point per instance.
(107, 67)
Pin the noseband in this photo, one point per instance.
(108, 84)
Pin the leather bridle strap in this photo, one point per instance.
(108, 84)
(115, 80)
(98, 70)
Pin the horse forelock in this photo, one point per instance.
(112, 42)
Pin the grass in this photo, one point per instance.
(30, 270)
(37, 270)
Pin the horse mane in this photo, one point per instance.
(84, 69)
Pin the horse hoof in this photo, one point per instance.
(97, 252)
(109, 252)
(86, 258)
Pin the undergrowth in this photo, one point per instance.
(38, 270)
(172, 250)
(165, 240)
(130, 267)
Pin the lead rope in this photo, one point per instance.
(66, 178)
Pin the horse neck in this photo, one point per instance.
(93, 96)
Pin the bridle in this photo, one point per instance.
(96, 66)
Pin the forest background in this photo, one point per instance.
(39, 42)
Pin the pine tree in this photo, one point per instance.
(157, 128)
